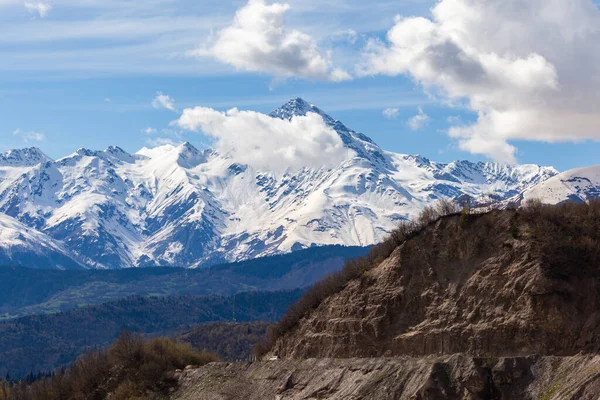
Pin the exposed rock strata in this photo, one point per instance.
(451, 377)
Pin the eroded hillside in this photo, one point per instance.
(502, 305)
(491, 285)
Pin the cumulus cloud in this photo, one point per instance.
(391, 113)
(41, 9)
(529, 69)
(269, 143)
(419, 121)
(258, 41)
(163, 101)
(149, 131)
(30, 136)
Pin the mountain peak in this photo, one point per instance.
(82, 151)
(188, 155)
(188, 147)
(298, 107)
(360, 143)
(115, 150)
(27, 157)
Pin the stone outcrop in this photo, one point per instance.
(428, 378)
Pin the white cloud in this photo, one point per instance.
(391, 113)
(268, 143)
(30, 136)
(149, 131)
(152, 37)
(349, 35)
(164, 101)
(258, 41)
(454, 119)
(42, 9)
(529, 69)
(157, 142)
(419, 121)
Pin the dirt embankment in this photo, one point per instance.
(427, 378)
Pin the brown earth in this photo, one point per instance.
(475, 287)
(472, 307)
(428, 378)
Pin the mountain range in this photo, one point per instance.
(180, 206)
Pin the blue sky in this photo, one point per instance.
(85, 74)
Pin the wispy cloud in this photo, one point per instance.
(39, 8)
(164, 101)
(454, 119)
(419, 121)
(391, 113)
(30, 136)
(153, 37)
(161, 141)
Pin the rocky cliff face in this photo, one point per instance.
(503, 305)
(470, 285)
(430, 378)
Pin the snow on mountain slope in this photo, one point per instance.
(23, 158)
(177, 205)
(21, 245)
(578, 185)
(15, 163)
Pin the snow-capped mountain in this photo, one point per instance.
(23, 158)
(579, 185)
(20, 244)
(177, 205)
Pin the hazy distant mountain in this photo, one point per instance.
(186, 207)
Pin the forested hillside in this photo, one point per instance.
(231, 341)
(29, 291)
(43, 343)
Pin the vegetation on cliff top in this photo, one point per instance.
(231, 341)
